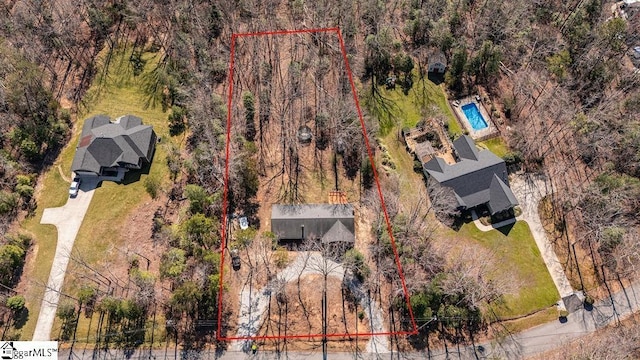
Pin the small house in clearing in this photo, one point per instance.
(437, 62)
(328, 223)
(110, 148)
(479, 177)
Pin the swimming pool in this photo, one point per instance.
(474, 117)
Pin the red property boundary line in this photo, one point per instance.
(375, 174)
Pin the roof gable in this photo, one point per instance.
(128, 121)
(311, 211)
(476, 179)
(313, 221)
(436, 164)
(436, 57)
(105, 151)
(501, 196)
(338, 233)
(466, 148)
(107, 144)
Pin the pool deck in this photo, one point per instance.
(479, 135)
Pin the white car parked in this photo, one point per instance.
(75, 187)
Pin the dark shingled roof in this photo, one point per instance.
(479, 177)
(466, 148)
(338, 233)
(311, 211)
(106, 144)
(436, 56)
(501, 197)
(329, 222)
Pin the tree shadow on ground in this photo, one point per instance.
(458, 222)
(21, 319)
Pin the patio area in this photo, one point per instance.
(477, 134)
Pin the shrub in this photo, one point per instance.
(173, 263)
(176, 120)
(512, 158)
(30, 149)
(11, 261)
(16, 303)
(8, 202)
(199, 200)
(589, 300)
(367, 173)
(25, 191)
(20, 240)
(281, 257)
(417, 166)
(66, 310)
(355, 261)
(152, 186)
(24, 180)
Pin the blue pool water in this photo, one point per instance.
(474, 117)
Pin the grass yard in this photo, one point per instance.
(520, 257)
(496, 145)
(394, 109)
(53, 193)
(411, 183)
(117, 95)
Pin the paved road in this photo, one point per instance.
(529, 190)
(67, 219)
(531, 342)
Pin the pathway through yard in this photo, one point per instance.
(254, 302)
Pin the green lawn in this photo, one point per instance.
(54, 193)
(395, 109)
(520, 257)
(496, 145)
(118, 94)
(411, 182)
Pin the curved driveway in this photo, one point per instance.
(253, 304)
(529, 190)
(67, 220)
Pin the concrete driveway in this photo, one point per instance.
(529, 190)
(67, 220)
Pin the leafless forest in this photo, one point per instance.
(560, 73)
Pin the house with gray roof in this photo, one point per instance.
(436, 62)
(107, 148)
(479, 177)
(328, 223)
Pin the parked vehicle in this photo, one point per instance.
(75, 187)
(235, 260)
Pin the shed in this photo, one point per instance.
(437, 62)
